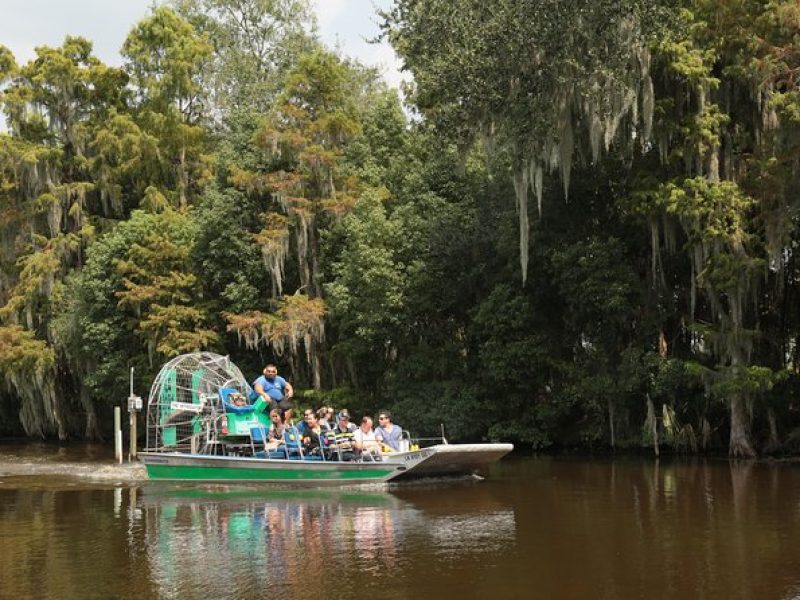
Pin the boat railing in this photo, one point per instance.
(204, 429)
(427, 442)
(263, 438)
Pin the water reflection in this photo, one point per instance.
(541, 528)
(688, 528)
(68, 542)
(298, 543)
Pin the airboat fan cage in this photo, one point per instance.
(185, 399)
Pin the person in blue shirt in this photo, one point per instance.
(387, 433)
(275, 390)
(301, 425)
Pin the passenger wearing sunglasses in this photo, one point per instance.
(387, 432)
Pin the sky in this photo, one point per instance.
(25, 24)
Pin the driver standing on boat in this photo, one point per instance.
(275, 390)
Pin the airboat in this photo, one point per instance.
(196, 433)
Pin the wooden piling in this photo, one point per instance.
(118, 434)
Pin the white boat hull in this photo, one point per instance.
(452, 459)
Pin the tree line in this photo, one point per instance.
(583, 236)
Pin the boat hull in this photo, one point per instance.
(439, 460)
(456, 459)
(163, 466)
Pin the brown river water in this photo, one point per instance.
(534, 528)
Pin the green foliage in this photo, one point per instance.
(726, 381)
(165, 55)
(165, 58)
(368, 291)
(533, 79)
(255, 43)
(27, 365)
(161, 292)
(135, 302)
(228, 262)
(237, 186)
(8, 65)
(594, 279)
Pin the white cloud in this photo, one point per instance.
(327, 12)
(26, 24)
(346, 25)
(384, 57)
(343, 24)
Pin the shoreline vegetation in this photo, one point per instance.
(584, 238)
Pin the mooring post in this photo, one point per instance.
(132, 453)
(118, 434)
(134, 406)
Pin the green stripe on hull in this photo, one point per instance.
(245, 474)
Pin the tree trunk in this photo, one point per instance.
(91, 432)
(740, 446)
(316, 378)
(315, 289)
(62, 432)
(332, 373)
(774, 443)
(651, 423)
(183, 179)
(56, 412)
(705, 433)
(611, 422)
(351, 369)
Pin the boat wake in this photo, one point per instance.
(125, 473)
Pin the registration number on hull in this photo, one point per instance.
(420, 454)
